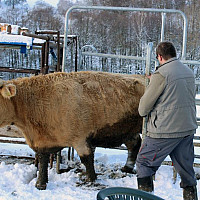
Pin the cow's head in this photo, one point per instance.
(7, 90)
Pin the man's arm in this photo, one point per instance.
(152, 93)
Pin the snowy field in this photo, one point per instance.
(17, 180)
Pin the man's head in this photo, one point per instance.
(165, 51)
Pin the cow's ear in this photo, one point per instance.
(8, 91)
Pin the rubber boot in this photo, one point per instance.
(190, 193)
(145, 184)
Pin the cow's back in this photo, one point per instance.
(61, 108)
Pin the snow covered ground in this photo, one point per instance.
(17, 180)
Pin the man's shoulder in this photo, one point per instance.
(158, 76)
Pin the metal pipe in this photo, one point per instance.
(147, 73)
(191, 62)
(46, 32)
(76, 54)
(148, 58)
(122, 9)
(184, 38)
(36, 36)
(22, 70)
(163, 27)
(58, 52)
(113, 56)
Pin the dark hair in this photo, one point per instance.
(166, 50)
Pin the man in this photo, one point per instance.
(169, 103)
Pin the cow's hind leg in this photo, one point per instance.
(133, 147)
(43, 170)
(88, 161)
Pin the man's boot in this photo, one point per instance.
(145, 184)
(190, 193)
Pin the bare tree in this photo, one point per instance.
(44, 16)
(13, 3)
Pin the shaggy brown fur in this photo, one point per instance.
(82, 110)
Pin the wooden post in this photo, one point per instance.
(174, 175)
(58, 162)
(46, 64)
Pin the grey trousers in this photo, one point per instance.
(154, 150)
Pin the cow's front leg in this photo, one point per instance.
(43, 170)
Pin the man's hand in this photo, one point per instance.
(148, 76)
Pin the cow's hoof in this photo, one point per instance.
(128, 170)
(92, 178)
(41, 186)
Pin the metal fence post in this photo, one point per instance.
(147, 73)
(163, 27)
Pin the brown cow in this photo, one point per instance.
(83, 110)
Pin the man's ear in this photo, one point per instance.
(8, 91)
